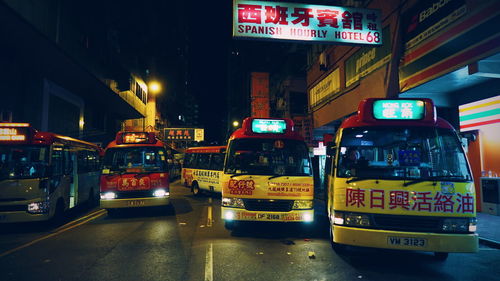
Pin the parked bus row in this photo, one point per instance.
(42, 175)
(398, 178)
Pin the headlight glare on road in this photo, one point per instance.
(160, 193)
(456, 225)
(356, 219)
(108, 195)
(38, 207)
(233, 202)
(302, 204)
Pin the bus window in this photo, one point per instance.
(203, 161)
(217, 162)
(390, 153)
(22, 162)
(57, 162)
(149, 159)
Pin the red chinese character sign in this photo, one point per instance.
(304, 22)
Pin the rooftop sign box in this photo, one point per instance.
(304, 22)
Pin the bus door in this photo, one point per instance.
(60, 181)
(71, 171)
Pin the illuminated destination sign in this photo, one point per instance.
(135, 138)
(399, 109)
(267, 126)
(293, 21)
(13, 134)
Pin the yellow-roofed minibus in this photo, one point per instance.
(267, 174)
(400, 180)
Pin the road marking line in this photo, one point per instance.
(209, 264)
(209, 213)
(61, 230)
(80, 219)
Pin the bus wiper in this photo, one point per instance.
(239, 174)
(355, 179)
(276, 176)
(433, 179)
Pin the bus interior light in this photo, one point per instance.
(108, 195)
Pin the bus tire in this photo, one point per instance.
(440, 256)
(58, 217)
(195, 189)
(230, 225)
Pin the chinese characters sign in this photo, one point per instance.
(405, 200)
(268, 126)
(293, 21)
(399, 109)
(184, 134)
(12, 134)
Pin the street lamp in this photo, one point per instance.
(236, 123)
(154, 87)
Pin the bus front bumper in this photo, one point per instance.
(134, 202)
(419, 241)
(235, 214)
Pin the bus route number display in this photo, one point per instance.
(398, 109)
(267, 126)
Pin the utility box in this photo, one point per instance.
(490, 195)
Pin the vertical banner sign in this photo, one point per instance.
(304, 22)
(260, 94)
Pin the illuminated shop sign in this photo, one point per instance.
(399, 109)
(267, 126)
(304, 22)
(13, 134)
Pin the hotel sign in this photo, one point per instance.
(304, 22)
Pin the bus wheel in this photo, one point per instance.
(440, 256)
(195, 189)
(57, 219)
(230, 225)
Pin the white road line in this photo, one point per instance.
(209, 264)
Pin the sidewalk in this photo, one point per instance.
(488, 228)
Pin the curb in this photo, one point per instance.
(489, 242)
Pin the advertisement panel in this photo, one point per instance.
(260, 94)
(304, 22)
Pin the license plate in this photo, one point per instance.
(136, 203)
(406, 241)
(268, 216)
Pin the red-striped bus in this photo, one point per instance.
(135, 172)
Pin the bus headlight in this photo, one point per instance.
(302, 204)
(351, 219)
(38, 207)
(161, 193)
(459, 225)
(233, 202)
(108, 195)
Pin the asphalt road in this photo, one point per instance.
(189, 242)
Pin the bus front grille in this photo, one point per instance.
(407, 223)
(134, 194)
(268, 205)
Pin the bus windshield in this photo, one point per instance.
(417, 153)
(145, 159)
(268, 157)
(21, 162)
